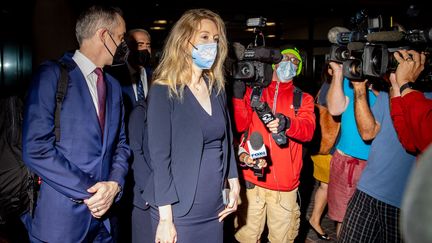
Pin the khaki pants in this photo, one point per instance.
(279, 208)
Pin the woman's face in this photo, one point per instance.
(207, 33)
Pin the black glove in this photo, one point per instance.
(284, 122)
(239, 89)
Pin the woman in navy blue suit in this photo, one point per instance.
(190, 139)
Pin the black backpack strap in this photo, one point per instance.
(62, 86)
(297, 99)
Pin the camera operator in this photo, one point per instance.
(411, 110)
(374, 210)
(349, 159)
(274, 196)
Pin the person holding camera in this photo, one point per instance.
(273, 197)
(374, 211)
(349, 159)
(189, 134)
(411, 110)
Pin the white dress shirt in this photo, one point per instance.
(87, 67)
(143, 76)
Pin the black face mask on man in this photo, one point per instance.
(140, 58)
(121, 54)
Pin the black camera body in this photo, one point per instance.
(368, 50)
(254, 68)
(253, 65)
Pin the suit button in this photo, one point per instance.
(91, 176)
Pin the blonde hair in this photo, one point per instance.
(174, 69)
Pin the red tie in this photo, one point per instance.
(101, 92)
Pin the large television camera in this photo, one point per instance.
(254, 68)
(253, 65)
(368, 50)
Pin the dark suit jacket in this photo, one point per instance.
(80, 159)
(176, 146)
(138, 141)
(123, 75)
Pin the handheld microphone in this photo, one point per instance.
(257, 150)
(385, 36)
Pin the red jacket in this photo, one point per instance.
(412, 119)
(284, 164)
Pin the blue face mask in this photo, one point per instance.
(286, 71)
(204, 55)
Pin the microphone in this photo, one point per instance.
(355, 46)
(385, 36)
(266, 55)
(257, 150)
(333, 33)
(239, 50)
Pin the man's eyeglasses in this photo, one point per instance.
(294, 60)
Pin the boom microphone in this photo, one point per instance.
(385, 36)
(264, 54)
(355, 46)
(257, 150)
(239, 50)
(333, 33)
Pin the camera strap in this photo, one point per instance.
(297, 99)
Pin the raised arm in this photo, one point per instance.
(367, 126)
(337, 102)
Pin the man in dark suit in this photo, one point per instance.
(135, 77)
(83, 172)
(141, 168)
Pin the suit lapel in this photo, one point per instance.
(108, 105)
(89, 110)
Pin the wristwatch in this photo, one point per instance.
(410, 85)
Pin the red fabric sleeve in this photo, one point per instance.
(417, 111)
(400, 125)
(303, 125)
(242, 112)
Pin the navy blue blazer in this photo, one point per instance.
(122, 74)
(80, 159)
(138, 141)
(176, 146)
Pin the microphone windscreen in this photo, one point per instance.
(384, 36)
(256, 140)
(267, 55)
(239, 50)
(333, 32)
(355, 46)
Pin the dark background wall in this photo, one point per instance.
(36, 30)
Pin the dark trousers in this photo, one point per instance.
(370, 220)
(142, 231)
(97, 234)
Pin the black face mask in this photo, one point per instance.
(121, 54)
(140, 58)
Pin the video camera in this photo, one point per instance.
(254, 68)
(253, 64)
(368, 50)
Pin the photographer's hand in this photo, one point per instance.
(394, 91)
(359, 84)
(248, 161)
(411, 64)
(273, 125)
